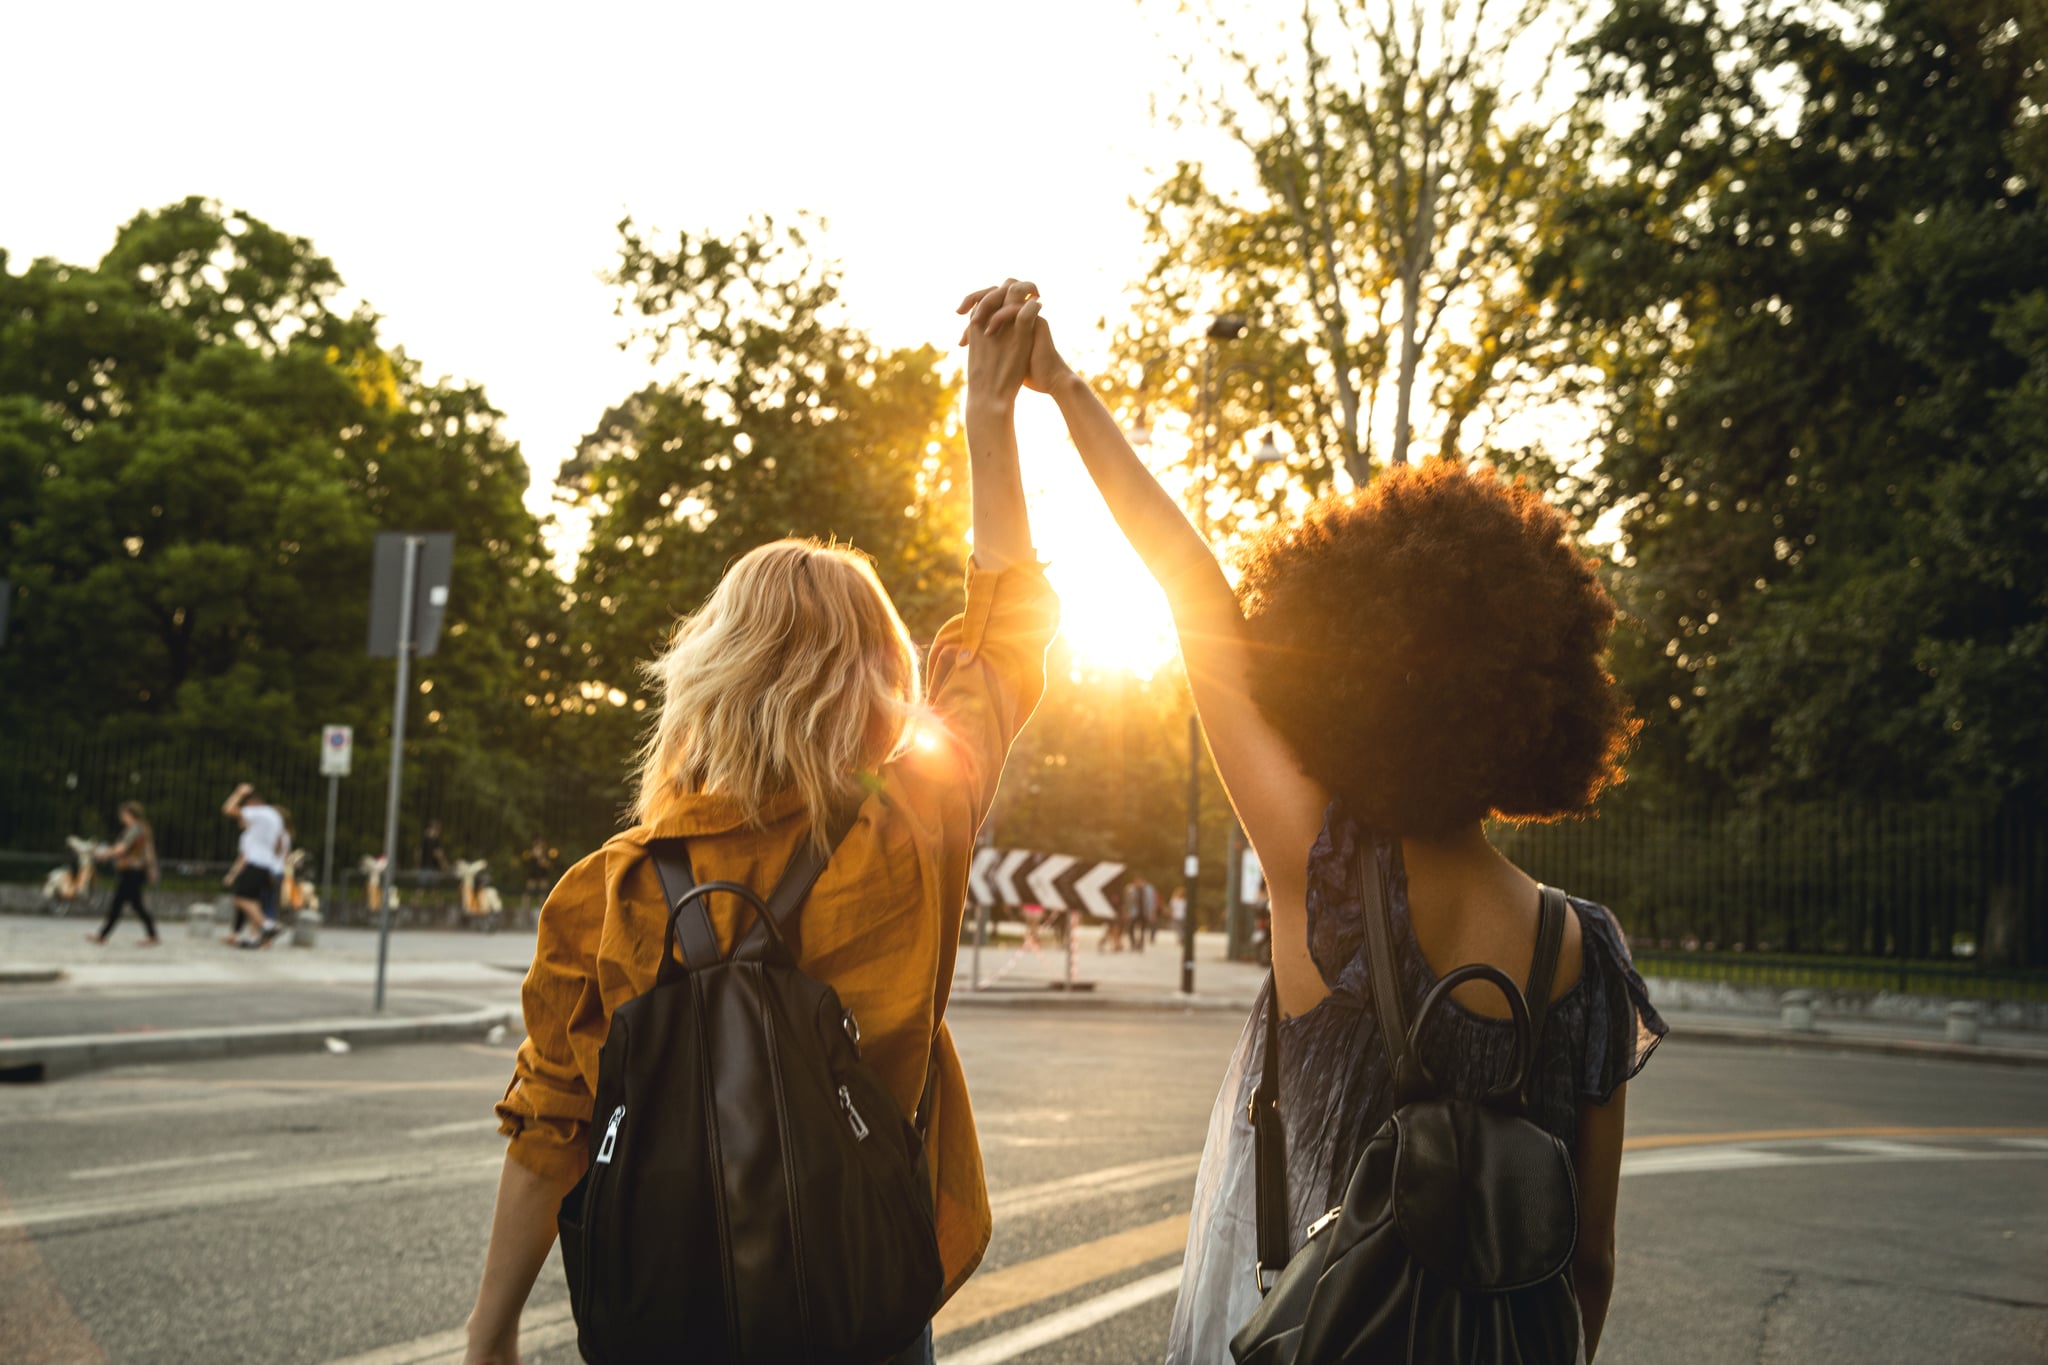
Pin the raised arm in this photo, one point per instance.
(1281, 808)
(998, 356)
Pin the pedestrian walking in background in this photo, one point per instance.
(1136, 922)
(280, 888)
(1177, 911)
(539, 866)
(134, 858)
(258, 865)
(1419, 654)
(433, 855)
(1148, 906)
(788, 705)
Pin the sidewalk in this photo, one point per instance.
(68, 1005)
(456, 984)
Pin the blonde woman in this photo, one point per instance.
(792, 693)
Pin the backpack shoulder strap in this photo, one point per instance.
(1542, 976)
(692, 922)
(1269, 1151)
(806, 865)
(1387, 1005)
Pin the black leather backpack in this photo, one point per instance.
(1454, 1241)
(753, 1194)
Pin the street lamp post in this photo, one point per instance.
(1226, 327)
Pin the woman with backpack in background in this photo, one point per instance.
(134, 859)
(1402, 663)
(791, 698)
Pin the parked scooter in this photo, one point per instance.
(373, 876)
(69, 886)
(480, 900)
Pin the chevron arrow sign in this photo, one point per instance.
(1005, 876)
(1044, 881)
(1057, 881)
(978, 889)
(1091, 887)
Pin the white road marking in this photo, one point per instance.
(539, 1329)
(450, 1129)
(172, 1163)
(1066, 1322)
(1075, 1189)
(253, 1187)
(1681, 1160)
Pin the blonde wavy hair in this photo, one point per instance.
(796, 673)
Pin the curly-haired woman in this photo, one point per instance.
(794, 694)
(1403, 663)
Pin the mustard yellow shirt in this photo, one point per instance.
(882, 925)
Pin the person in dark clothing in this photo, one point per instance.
(134, 858)
(433, 857)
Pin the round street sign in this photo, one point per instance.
(337, 746)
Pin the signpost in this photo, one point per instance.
(408, 596)
(337, 747)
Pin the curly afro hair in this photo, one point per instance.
(1433, 647)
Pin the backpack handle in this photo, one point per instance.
(1518, 1009)
(746, 894)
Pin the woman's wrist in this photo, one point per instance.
(984, 408)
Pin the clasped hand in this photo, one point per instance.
(1008, 344)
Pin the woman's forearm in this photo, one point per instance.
(1147, 515)
(1002, 527)
(522, 1233)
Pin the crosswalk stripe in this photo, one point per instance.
(1005, 1346)
(540, 1328)
(1138, 1175)
(995, 1292)
(171, 1163)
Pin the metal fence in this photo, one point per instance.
(1929, 882)
(49, 791)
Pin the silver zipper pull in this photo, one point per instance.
(860, 1127)
(611, 1135)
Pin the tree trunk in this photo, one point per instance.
(1422, 234)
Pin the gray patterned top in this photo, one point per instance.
(1334, 1075)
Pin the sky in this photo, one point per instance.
(465, 166)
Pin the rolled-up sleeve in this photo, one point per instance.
(546, 1108)
(985, 677)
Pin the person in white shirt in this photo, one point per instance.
(259, 862)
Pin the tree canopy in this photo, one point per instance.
(1816, 285)
(197, 448)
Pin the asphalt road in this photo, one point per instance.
(1795, 1207)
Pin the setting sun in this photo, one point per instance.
(1112, 615)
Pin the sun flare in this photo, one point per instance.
(1112, 615)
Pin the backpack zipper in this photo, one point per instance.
(860, 1127)
(611, 1134)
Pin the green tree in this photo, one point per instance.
(1816, 283)
(777, 416)
(196, 449)
(1401, 160)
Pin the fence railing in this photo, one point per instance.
(1924, 882)
(51, 791)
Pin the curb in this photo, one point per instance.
(1836, 1042)
(30, 975)
(38, 1059)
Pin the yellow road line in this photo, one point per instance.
(994, 1292)
(1660, 1140)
